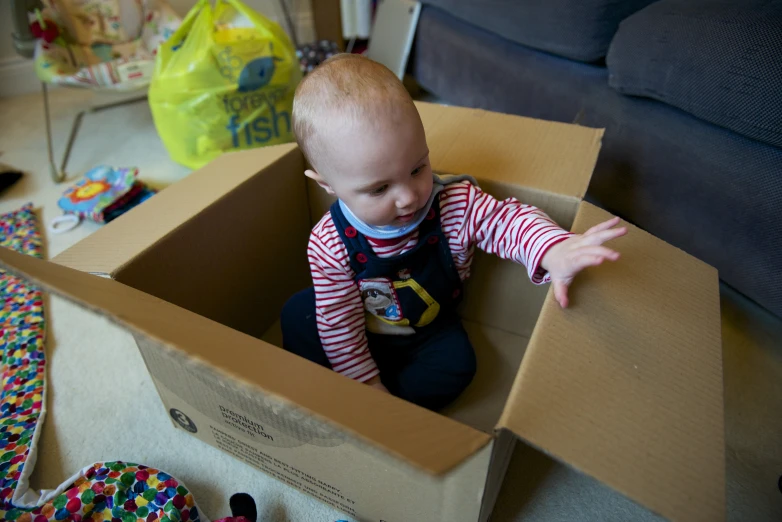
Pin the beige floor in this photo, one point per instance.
(102, 405)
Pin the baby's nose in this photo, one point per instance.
(406, 199)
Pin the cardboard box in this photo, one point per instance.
(625, 386)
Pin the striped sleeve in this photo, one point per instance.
(508, 228)
(339, 310)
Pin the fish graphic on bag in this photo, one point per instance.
(257, 74)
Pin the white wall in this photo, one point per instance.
(17, 75)
(6, 45)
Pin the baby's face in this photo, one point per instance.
(380, 169)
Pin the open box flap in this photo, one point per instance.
(164, 213)
(626, 384)
(424, 439)
(544, 155)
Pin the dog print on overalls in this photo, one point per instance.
(380, 300)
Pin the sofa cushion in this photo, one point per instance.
(700, 187)
(720, 61)
(577, 29)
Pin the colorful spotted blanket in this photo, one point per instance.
(115, 491)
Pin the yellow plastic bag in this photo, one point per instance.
(223, 82)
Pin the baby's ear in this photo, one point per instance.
(320, 180)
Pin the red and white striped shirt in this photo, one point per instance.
(469, 218)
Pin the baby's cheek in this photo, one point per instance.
(366, 209)
(379, 216)
(386, 210)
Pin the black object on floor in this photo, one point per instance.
(8, 178)
(243, 505)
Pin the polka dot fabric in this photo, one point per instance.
(106, 491)
(312, 55)
(21, 345)
(117, 492)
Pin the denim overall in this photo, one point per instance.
(414, 333)
(420, 288)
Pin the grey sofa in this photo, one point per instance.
(689, 92)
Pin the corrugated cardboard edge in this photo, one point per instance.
(423, 439)
(110, 248)
(511, 149)
(626, 385)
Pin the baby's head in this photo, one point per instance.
(363, 137)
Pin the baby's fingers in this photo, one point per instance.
(582, 261)
(598, 238)
(600, 251)
(605, 225)
(560, 293)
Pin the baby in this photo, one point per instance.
(388, 260)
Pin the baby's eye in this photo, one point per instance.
(417, 170)
(378, 191)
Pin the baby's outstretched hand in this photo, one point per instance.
(564, 260)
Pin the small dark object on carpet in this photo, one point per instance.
(8, 176)
(243, 505)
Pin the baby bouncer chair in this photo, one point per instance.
(104, 45)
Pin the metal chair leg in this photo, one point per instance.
(59, 175)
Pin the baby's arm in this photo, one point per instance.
(525, 234)
(339, 310)
(508, 228)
